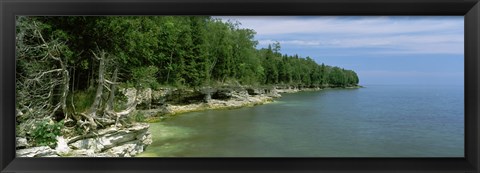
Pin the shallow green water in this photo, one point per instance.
(376, 121)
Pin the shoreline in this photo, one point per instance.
(234, 103)
(130, 141)
(238, 100)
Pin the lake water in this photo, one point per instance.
(376, 121)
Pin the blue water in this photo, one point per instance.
(376, 121)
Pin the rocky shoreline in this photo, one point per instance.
(154, 105)
(169, 103)
(158, 104)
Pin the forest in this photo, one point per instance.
(69, 68)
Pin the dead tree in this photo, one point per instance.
(43, 79)
(98, 115)
(109, 110)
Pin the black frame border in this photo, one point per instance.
(470, 9)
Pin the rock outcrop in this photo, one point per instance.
(128, 141)
(109, 142)
(175, 101)
(42, 151)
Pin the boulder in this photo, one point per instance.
(62, 146)
(21, 142)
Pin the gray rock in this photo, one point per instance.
(183, 97)
(62, 146)
(114, 142)
(21, 142)
(273, 93)
(144, 98)
(130, 93)
(126, 150)
(159, 97)
(82, 153)
(109, 142)
(36, 152)
(147, 140)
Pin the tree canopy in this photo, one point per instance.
(188, 51)
(68, 67)
(57, 56)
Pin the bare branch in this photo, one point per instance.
(111, 83)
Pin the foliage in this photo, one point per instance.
(139, 117)
(56, 60)
(82, 99)
(187, 51)
(45, 132)
(145, 77)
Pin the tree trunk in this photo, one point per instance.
(112, 91)
(92, 112)
(66, 82)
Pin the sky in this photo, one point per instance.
(412, 50)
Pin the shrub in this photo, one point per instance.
(45, 132)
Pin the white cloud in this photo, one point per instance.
(271, 25)
(401, 35)
(449, 44)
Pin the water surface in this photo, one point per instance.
(376, 121)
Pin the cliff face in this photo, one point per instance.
(154, 103)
